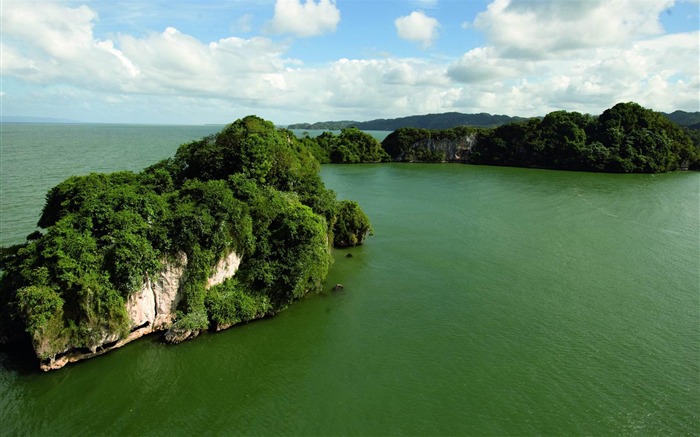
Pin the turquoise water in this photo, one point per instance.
(490, 301)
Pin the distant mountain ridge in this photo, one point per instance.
(685, 119)
(429, 121)
(449, 120)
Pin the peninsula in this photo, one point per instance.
(234, 227)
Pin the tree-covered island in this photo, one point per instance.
(626, 138)
(234, 227)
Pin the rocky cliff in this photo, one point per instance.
(151, 309)
(77, 287)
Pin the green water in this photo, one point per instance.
(491, 301)
(36, 157)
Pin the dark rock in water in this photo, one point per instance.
(338, 287)
(175, 336)
(349, 255)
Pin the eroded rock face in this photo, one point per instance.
(225, 268)
(141, 306)
(152, 308)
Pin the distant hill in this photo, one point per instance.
(685, 119)
(324, 125)
(453, 119)
(430, 121)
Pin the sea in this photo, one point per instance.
(490, 301)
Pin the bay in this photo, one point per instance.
(490, 301)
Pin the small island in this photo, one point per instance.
(234, 227)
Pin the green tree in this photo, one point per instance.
(351, 226)
(252, 189)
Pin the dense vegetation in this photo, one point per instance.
(424, 145)
(250, 189)
(439, 121)
(323, 125)
(626, 138)
(449, 120)
(684, 119)
(351, 146)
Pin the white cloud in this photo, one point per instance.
(49, 26)
(363, 89)
(171, 76)
(546, 28)
(55, 45)
(582, 55)
(237, 68)
(235, 75)
(418, 27)
(483, 64)
(304, 20)
(243, 24)
(51, 42)
(661, 73)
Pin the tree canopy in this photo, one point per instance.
(252, 189)
(625, 138)
(351, 146)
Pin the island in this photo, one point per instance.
(235, 227)
(626, 138)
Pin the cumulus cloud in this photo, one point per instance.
(483, 64)
(233, 74)
(547, 28)
(660, 73)
(370, 88)
(250, 70)
(55, 44)
(580, 55)
(178, 77)
(418, 27)
(51, 42)
(49, 26)
(304, 20)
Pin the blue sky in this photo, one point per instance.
(193, 62)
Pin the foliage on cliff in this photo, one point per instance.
(251, 188)
(351, 226)
(351, 146)
(423, 145)
(450, 120)
(626, 138)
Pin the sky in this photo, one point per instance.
(288, 61)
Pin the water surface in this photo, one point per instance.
(490, 301)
